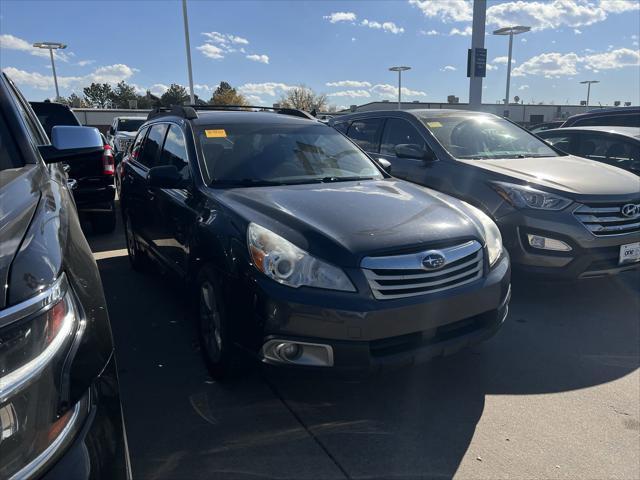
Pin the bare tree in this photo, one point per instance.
(303, 98)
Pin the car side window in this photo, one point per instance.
(31, 122)
(365, 133)
(152, 145)
(627, 120)
(137, 144)
(561, 142)
(609, 149)
(398, 131)
(174, 151)
(342, 127)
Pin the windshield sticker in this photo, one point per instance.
(434, 124)
(219, 133)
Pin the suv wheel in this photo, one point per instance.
(104, 222)
(213, 327)
(137, 257)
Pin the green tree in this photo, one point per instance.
(303, 98)
(148, 100)
(225, 94)
(123, 94)
(98, 95)
(175, 95)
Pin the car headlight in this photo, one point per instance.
(492, 235)
(521, 196)
(289, 265)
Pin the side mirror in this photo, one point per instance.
(166, 176)
(385, 164)
(111, 130)
(70, 143)
(412, 150)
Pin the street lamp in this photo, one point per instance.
(511, 31)
(188, 45)
(399, 70)
(589, 82)
(51, 46)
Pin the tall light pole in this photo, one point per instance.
(511, 31)
(188, 45)
(51, 46)
(399, 70)
(589, 82)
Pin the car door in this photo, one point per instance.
(142, 214)
(365, 132)
(174, 208)
(399, 131)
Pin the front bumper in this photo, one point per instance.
(590, 256)
(99, 449)
(368, 334)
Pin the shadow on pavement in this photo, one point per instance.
(415, 423)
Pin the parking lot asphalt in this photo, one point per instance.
(555, 394)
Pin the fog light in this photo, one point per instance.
(297, 353)
(545, 243)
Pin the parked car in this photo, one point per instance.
(122, 131)
(541, 127)
(617, 146)
(60, 407)
(93, 177)
(606, 117)
(301, 249)
(559, 215)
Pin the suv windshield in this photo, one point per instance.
(254, 154)
(130, 124)
(479, 136)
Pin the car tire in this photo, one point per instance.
(214, 332)
(137, 257)
(104, 222)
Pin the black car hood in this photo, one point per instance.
(343, 222)
(19, 197)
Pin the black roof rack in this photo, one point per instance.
(190, 111)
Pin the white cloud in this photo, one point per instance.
(542, 15)
(429, 33)
(348, 83)
(351, 94)
(211, 51)
(445, 10)
(555, 64)
(10, 42)
(225, 38)
(448, 68)
(84, 63)
(336, 17)
(259, 58)
(353, 39)
(267, 88)
(254, 99)
(386, 26)
(465, 33)
(523, 40)
(504, 60)
(111, 74)
(158, 89)
(203, 88)
(491, 67)
(577, 31)
(523, 87)
(389, 91)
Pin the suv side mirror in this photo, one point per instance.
(384, 163)
(166, 176)
(70, 143)
(412, 150)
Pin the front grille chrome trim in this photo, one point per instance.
(469, 267)
(607, 221)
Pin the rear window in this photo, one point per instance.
(9, 156)
(52, 114)
(628, 120)
(130, 124)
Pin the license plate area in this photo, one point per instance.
(629, 253)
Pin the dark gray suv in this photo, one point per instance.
(558, 214)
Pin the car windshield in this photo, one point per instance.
(259, 154)
(480, 136)
(130, 124)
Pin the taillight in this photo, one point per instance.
(108, 162)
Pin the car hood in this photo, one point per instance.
(19, 197)
(343, 222)
(125, 134)
(567, 173)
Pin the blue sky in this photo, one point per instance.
(339, 48)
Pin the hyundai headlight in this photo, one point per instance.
(289, 265)
(522, 196)
(492, 235)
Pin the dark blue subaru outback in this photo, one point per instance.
(298, 247)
